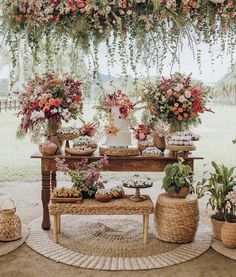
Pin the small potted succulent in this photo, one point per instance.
(178, 179)
(217, 186)
(228, 231)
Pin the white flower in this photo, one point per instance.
(182, 99)
(178, 87)
(163, 98)
(54, 111)
(187, 94)
(37, 115)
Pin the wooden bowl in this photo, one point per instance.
(75, 152)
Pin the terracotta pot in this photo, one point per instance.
(52, 136)
(228, 234)
(181, 194)
(159, 142)
(216, 228)
(48, 148)
(103, 197)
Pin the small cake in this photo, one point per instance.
(117, 191)
(85, 141)
(103, 195)
(152, 151)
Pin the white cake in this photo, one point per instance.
(123, 137)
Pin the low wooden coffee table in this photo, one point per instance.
(92, 207)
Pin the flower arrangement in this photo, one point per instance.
(131, 20)
(176, 100)
(88, 129)
(86, 177)
(111, 129)
(116, 99)
(142, 133)
(49, 99)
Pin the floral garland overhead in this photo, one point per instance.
(138, 28)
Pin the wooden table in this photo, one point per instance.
(134, 163)
(88, 207)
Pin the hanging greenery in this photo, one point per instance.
(140, 30)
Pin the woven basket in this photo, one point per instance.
(228, 234)
(10, 224)
(74, 152)
(216, 228)
(181, 194)
(176, 219)
(119, 152)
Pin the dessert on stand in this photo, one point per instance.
(137, 183)
(182, 143)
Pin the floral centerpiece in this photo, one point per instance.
(88, 129)
(176, 101)
(118, 99)
(156, 22)
(143, 136)
(86, 177)
(47, 101)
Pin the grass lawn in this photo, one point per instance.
(217, 132)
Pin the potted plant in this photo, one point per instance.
(86, 177)
(217, 187)
(178, 179)
(228, 231)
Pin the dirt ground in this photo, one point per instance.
(24, 262)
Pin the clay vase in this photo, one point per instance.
(159, 142)
(52, 136)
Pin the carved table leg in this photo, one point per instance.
(53, 180)
(45, 196)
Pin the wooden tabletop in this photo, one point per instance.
(96, 156)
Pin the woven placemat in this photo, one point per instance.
(219, 247)
(114, 243)
(7, 247)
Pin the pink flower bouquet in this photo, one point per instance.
(49, 99)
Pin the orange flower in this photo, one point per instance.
(55, 102)
(43, 102)
(152, 109)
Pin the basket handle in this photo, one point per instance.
(9, 199)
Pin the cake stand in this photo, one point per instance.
(137, 197)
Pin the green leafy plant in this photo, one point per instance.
(177, 176)
(217, 187)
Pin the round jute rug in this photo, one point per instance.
(114, 243)
(219, 247)
(7, 247)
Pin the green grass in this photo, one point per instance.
(217, 132)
